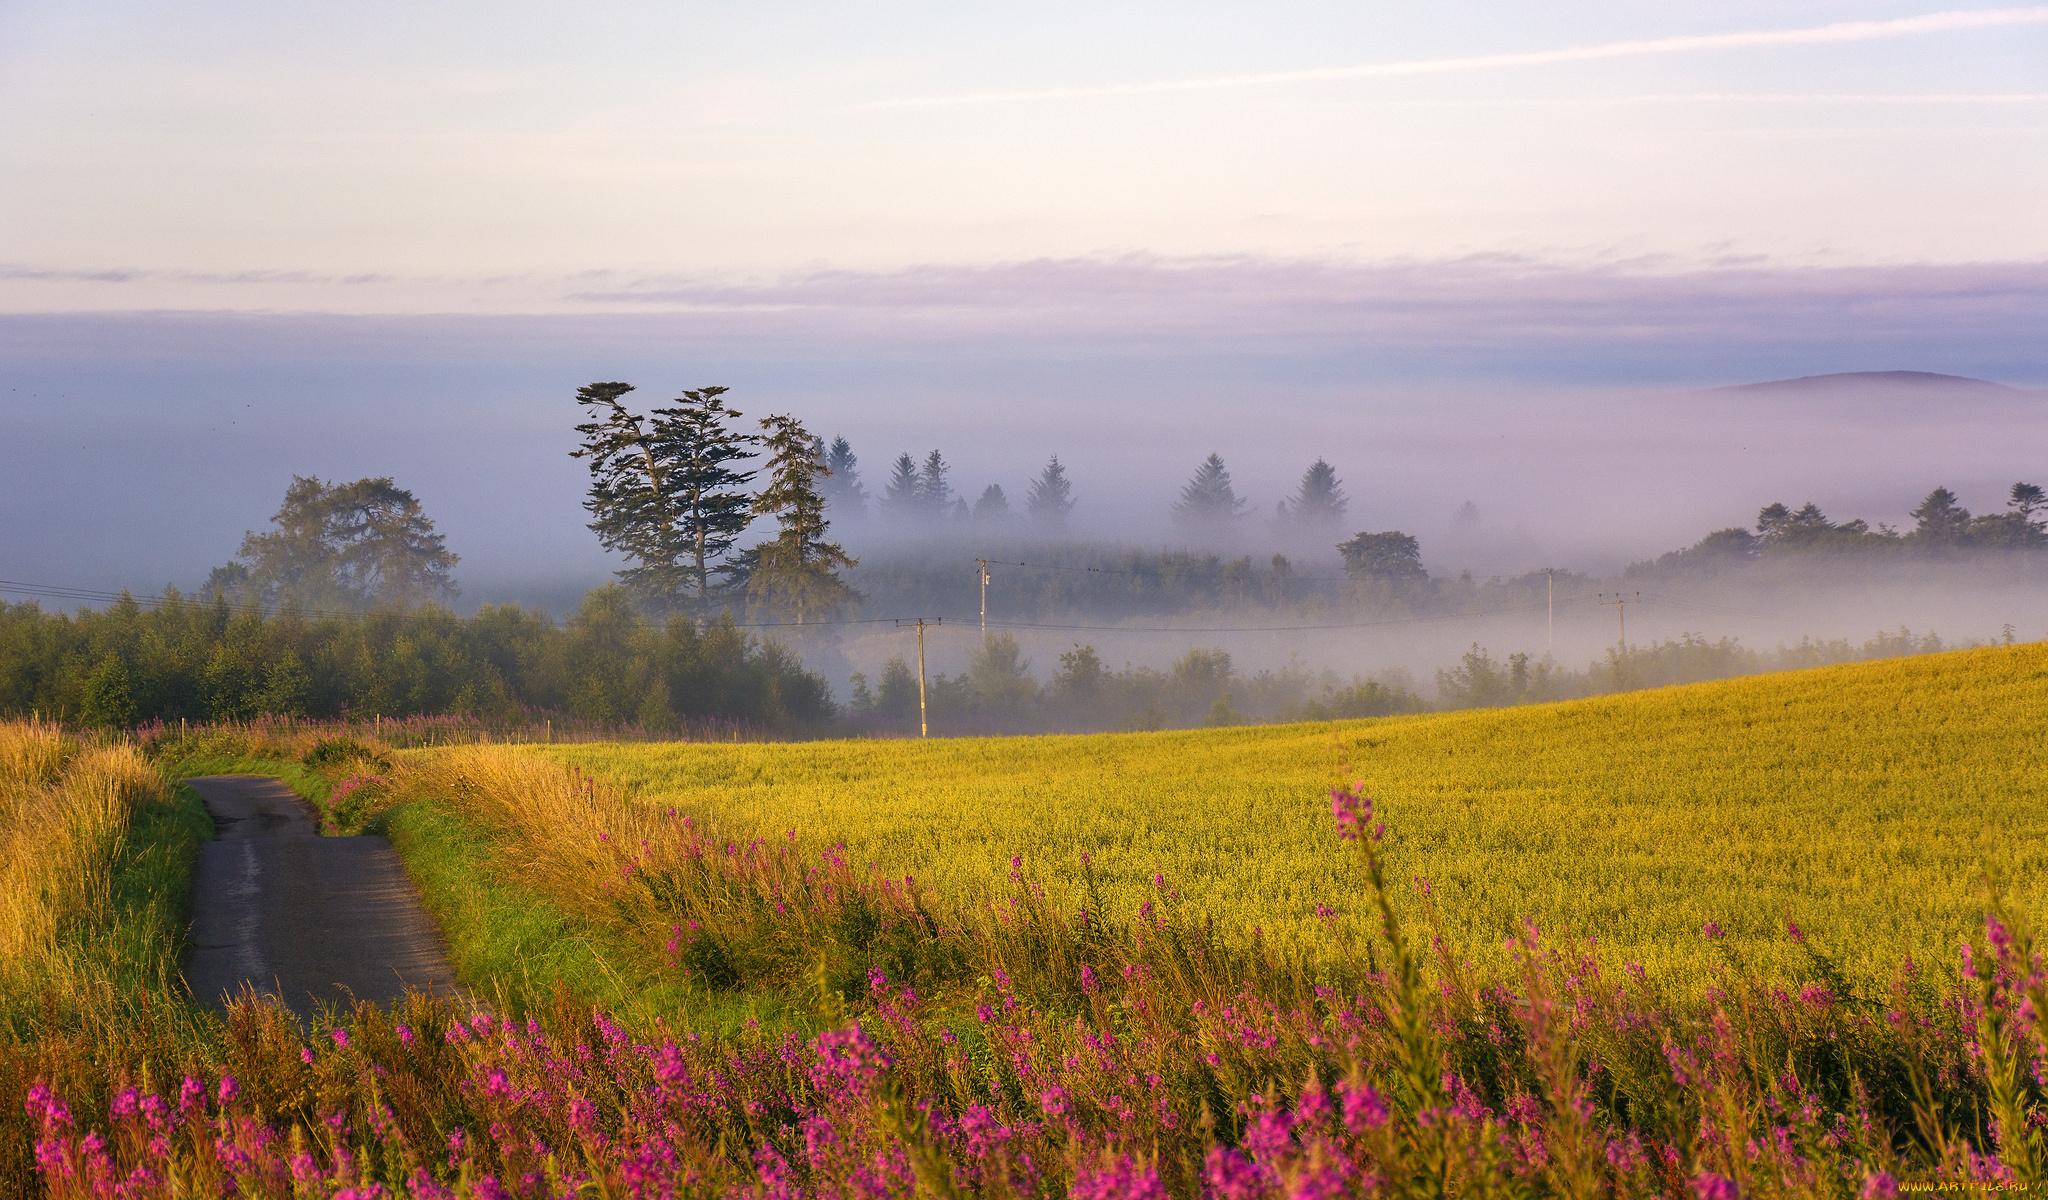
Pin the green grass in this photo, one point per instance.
(514, 947)
(311, 786)
(1868, 802)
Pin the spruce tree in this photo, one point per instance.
(844, 494)
(934, 491)
(1320, 500)
(1051, 497)
(902, 497)
(1208, 501)
(797, 571)
(993, 509)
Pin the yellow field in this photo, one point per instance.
(1868, 802)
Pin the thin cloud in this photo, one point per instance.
(1845, 31)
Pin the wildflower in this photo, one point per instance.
(1880, 1186)
(406, 1037)
(1711, 930)
(1120, 1180)
(1232, 1176)
(1364, 1107)
(229, 1089)
(1709, 1186)
(1351, 812)
(1088, 983)
(306, 1055)
(341, 1039)
(1797, 934)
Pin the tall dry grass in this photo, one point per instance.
(65, 809)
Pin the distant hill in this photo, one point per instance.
(1888, 382)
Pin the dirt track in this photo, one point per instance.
(302, 917)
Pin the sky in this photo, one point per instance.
(1454, 246)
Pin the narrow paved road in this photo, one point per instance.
(298, 916)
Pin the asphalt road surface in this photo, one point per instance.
(301, 917)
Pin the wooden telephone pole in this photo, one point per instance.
(981, 567)
(1550, 608)
(1621, 603)
(924, 728)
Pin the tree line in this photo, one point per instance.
(921, 492)
(186, 658)
(1942, 530)
(997, 693)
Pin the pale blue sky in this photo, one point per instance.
(372, 157)
(240, 241)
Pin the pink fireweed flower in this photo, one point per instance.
(1709, 1186)
(229, 1089)
(1797, 934)
(406, 1037)
(341, 1039)
(306, 1056)
(1711, 931)
(1088, 983)
(1364, 1107)
(1880, 1186)
(1352, 813)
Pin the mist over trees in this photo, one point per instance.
(797, 571)
(1785, 537)
(676, 491)
(668, 491)
(997, 693)
(353, 545)
(1208, 503)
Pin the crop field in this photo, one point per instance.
(1870, 803)
(686, 977)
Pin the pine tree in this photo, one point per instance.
(662, 490)
(797, 570)
(901, 498)
(1051, 497)
(629, 510)
(2026, 500)
(1208, 500)
(1320, 500)
(934, 492)
(1942, 521)
(697, 439)
(844, 494)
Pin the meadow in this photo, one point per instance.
(1874, 804)
(865, 969)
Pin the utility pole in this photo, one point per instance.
(981, 566)
(1621, 603)
(1550, 608)
(924, 728)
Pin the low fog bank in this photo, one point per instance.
(1975, 606)
(1504, 431)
